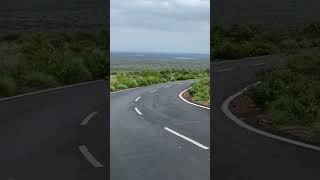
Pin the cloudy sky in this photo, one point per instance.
(160, 25)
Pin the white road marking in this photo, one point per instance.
(259, 64)
(87, 119)
(137, 99)
(137, 110)
(180, 95)
(180, 83)
(48, 90)
(84, 150)
(153, 91)
(186, 138)
(224, 70)
(167, 86)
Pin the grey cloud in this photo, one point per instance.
(163, 18)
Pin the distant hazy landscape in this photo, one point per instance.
(131, 69)
(131, 61)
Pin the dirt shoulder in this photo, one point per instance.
(189, 98)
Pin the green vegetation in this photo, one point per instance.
(292, 93)
(239, 41)
(35, 61)
(124, 80)
(140, 65)
(200, 91)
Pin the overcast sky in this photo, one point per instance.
(160, 25)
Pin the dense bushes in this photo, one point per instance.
(124, 80)
(200, 91)
(37, 61)
(238, 41)
(291, 93)
(7, 86)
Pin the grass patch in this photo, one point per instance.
(124, 80)
(200, 91)
(292, 93)
(35, 61)
(239, 41)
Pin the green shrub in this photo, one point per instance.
(73, 71)
(148, 77)
(289, 44)
(200, 91)
(303, 63)
(39, 80)
(281, 117)
(291, 93)
(316, 133)
(7, 86)
(121, 86)
(112, 88)
(131, 83)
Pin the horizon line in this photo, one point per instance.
(167, 52)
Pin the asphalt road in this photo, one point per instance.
(239, 154)
(156, 135)
(41, 134)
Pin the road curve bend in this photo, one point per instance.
(240, 154)
(156, 135)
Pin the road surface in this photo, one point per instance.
(51, 135)
(239, 154)
(156, 135)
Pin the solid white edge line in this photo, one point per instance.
(224, 70)
(180, 95)
(137, 110)
(84, 150)
(186, 138)
(137, 99)
(87, 119)
(51, 89)
(227, 112)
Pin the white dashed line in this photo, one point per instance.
(84, 150)
(167, 86)
(259, 64)
(224, 70)
(153, 91)
(180, 83)
(137, 110)
(86, 120)
(137, 99)
(186, 138)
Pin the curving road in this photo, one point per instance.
(156, 135)
(55, 134)
(240, 154)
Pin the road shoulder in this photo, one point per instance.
(225, 108)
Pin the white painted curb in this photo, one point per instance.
(180, 95)
(226, 110)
